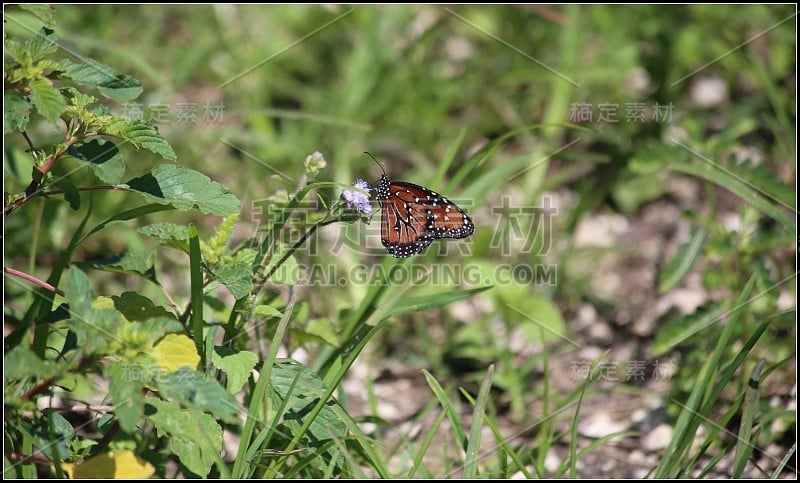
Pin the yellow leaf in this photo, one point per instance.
(175, 351)
(103, 303)
(114, 464)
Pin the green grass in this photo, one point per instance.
(474, 350)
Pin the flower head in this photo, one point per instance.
(356, 199)
(314, 163)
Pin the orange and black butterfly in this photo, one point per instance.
(412, 216)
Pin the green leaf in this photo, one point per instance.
(137, 261)
(41, 11)
(21, 362)
(268, 311)
(166, 231)
(237, 365)
(140, 135)
(680, 328)
(237, 276)
(16, 111)
(324, 330)
(416, 304)
(125, 216)
(111, 84)
(196, 391)
(766, 181)
(192, 435)
(134, 306)
(103, 157)
(71, 194)
(125, 388)
(154, 329)
(48, 101)
(735, 180)
(632, 192)
(78, 293)
(298, 389)
(537, 317)
(677, 268)
(184, 188)
(90, 318)
(42, 45)
(78, 99)
(53, 425)
(21, 56)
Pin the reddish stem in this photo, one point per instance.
(33, 279)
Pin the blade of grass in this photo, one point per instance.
(460, 435)
(426, 443)
(259, 392)
(743, 446)
(474, 442)
(196, 280)
(688, 421)
(503, 443)
(784, 462)
(448, 158)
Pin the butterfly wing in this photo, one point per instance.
(404, 225)
(413, 216)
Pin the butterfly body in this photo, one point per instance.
(413, 216)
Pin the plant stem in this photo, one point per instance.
(33, 279)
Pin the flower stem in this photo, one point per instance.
(33, 279)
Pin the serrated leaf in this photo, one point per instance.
(111, 465)
(41, 11)
(42, 45)
(237, 365)
(166, 231)
(677, 268)
(21, 362)
(77, 99)
(48, 101)
(192, 435)
(122, 88)
(140, 135)
(184, 189)
(194, 390)
(71, 194)
(679, 328)
(16, 111)
(103, 157)
(20, 54)
(136, 261)
(125, 388)
(237, 277)
(175, 351)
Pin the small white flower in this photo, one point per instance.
(356, 199)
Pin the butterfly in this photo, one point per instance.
(412, 216)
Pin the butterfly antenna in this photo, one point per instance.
(376, 161)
